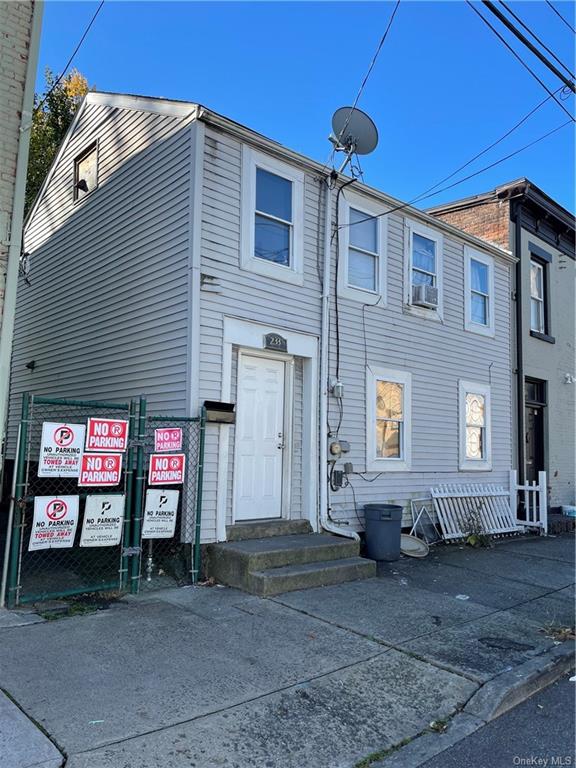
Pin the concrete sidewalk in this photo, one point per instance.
(332, 677)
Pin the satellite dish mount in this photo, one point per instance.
(353, 133)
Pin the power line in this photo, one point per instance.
(370, 68)
(535, 36)
(524, 40)
(557, 12)
(520, 59)
(71, 59)
(424, 196)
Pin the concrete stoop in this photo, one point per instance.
(283, 563)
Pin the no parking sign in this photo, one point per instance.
(54, 524)
(60, 449)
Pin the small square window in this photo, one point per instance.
(86, 172)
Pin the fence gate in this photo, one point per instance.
(168, 514)
(82, 516)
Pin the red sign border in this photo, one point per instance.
(170, 450)
(90, 454)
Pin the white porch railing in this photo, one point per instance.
(491, 509)
(535, 501)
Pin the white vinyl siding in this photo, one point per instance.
(478, 292)
(272, 198)
(475, 426)
(389, 420)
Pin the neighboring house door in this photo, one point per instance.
(535, 434)
(259, 438)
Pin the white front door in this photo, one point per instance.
(259, 438)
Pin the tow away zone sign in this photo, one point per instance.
(60, 449)
(100, 469)
(54, 524)
(103, 520)
(107, 435)
(166, 469)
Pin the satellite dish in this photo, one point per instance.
(354, 131)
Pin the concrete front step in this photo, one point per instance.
(233, 562)
(266, 528)
(274, 581)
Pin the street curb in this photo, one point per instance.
(511, 688)
(491, 700)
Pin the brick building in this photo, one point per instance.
(522, 218)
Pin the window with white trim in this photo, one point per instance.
(388, 420)
(362, 249)
(272, 217)
(478, 292)
(475, 426)
(86, 172)
(424, 251)
(537, 297)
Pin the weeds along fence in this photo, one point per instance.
(85, 518)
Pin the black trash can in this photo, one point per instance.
(383, 524)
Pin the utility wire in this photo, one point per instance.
(71, 59)
(520, 59)
(557, 12)
(424, 196)
(535, 36)
(370, 68)
(524, 40)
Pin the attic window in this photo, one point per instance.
(86, 172)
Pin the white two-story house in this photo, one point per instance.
(176, 253)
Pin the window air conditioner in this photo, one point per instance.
(425, 296)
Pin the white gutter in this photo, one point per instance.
(7, 330)
(325, 522)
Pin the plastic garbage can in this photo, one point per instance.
(382, 526)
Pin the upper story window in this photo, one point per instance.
(272, 218)
(86, 172)
(540, 264)
(362, 249)
(478, 292)
(537, 297)
(475, 432)
(388, 420)
(424, 270)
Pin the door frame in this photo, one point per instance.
(287, 428)
(250, 336)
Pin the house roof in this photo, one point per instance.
(522, 187)
(184, 109)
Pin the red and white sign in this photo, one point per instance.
(60, 449)
(54, 524)
(168, 439)
(100, 469)
(166, 469)
(106, 435)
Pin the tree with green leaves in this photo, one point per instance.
(54, 110)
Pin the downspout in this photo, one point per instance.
(519, 341)
(14, 249)
(325, 522)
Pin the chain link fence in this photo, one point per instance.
(66, 539)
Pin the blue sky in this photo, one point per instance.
(443, 87)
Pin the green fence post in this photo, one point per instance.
(199, 483)
(138, 496)
(125, 561)
(19, 499)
